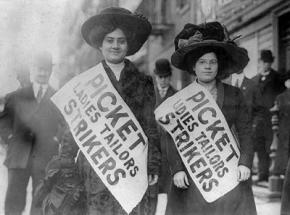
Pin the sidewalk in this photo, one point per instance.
(266, 203)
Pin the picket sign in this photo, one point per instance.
(203, 140)
(107, 133)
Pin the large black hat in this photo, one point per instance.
(137, 25)
(162, 67)
(266, 56)
(193, 40)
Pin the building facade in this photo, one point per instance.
(167, 18)
(262, 24)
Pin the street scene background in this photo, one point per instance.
(30, 25)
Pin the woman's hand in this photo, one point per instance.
(180, 180)
(244, 173)
(152, 179)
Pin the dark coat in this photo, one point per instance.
(285, 206)
(137, 90)
(269, 88)
(240, 200)
(252, 95)
(253, 98)
(33, 127)
(165, 139)
(171, 91)
(283, 102)
(61, 191)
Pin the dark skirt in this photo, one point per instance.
(285, 204)
(239, 201)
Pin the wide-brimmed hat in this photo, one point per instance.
(138, 26)
(193, 40)
(266, 56)
(162, 67)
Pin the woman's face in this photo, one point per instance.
(114, 47)
(42, 70)
(206, 67)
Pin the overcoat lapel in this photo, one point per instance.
(129, 87)
(157, 97)
(49, 92)
(220, 94)
(28, 93)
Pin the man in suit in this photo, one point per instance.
(252, 95)
(23, 77)
(163, 73)
(269, 82)
(163, 90)
(33, 123)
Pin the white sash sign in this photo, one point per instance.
(203, 140)
(107, 133)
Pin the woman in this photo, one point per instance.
(205, 51)
(116, 33)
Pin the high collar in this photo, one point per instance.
(116, 68)
(209, 86)
(130, 83)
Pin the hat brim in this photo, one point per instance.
(139, 27)
(237, 56)
(162, 73)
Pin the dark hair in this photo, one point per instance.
(99, 32)
(222, 57)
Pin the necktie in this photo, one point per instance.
(39, 94)
(162, 93)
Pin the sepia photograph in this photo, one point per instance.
(145, 107)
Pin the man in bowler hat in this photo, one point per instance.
(33, 125)
(269, 82)
(163, 90)
(163, 75)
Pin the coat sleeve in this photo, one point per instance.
(258, 108)
(174, 159)
(6, 118)
(150, 129)
(243, 127)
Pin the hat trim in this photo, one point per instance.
(236, 53)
